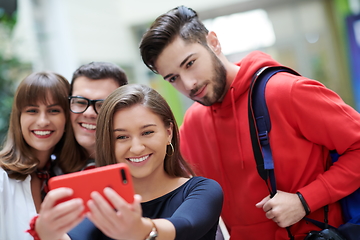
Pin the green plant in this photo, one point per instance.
(11, 70)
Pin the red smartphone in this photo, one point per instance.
(116, 176)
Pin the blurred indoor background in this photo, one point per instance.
(318, 38)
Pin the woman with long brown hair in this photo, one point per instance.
(39, 135)
(136, 126)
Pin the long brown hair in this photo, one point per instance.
(16, 157)
(125, 97)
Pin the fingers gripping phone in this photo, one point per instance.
(116, 176)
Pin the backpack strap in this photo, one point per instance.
(260, 125)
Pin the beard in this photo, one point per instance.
(218, 81)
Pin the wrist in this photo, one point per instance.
(32, 230)
(153, 233)
(304, 203)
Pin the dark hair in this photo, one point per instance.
(16, 157)
(125, 97)
(180, 21)
(100, 70)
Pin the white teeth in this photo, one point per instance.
(88, 126)
(137, 160)
(42, 133)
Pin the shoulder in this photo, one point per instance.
(284, 87)
(202, 180)
(195, 116)
(7, 183)
(300, 91)
(291, 82)
(3, 177)
(195, 111)
(204, 184)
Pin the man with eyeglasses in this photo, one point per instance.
(91, 84)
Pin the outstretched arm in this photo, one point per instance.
(197, 212)
(127, 221)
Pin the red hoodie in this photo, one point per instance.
(307, 120)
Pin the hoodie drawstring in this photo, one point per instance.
(218, 147)
(237, 128)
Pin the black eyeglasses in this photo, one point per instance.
(80, 104)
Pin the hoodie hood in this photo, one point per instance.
(248, 66)
(238, 89)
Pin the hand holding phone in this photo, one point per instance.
(116, 176)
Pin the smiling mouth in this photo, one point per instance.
(42, 133)
(200, 91)
(138, 160)
(88, 126)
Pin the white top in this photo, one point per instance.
(16, 208)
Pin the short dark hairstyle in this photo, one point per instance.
(100, 70)
(180, 21)
(125, 97)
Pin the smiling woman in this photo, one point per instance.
(42, 126)
(137, 127)
(39, 128)
(141, 141)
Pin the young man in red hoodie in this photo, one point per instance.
(307, 121)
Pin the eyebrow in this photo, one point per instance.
(186, 59)
(53, 105)
(181, 64)
(145, 126)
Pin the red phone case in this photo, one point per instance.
(117, 176)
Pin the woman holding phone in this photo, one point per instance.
(136, 126)
(39, 129)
